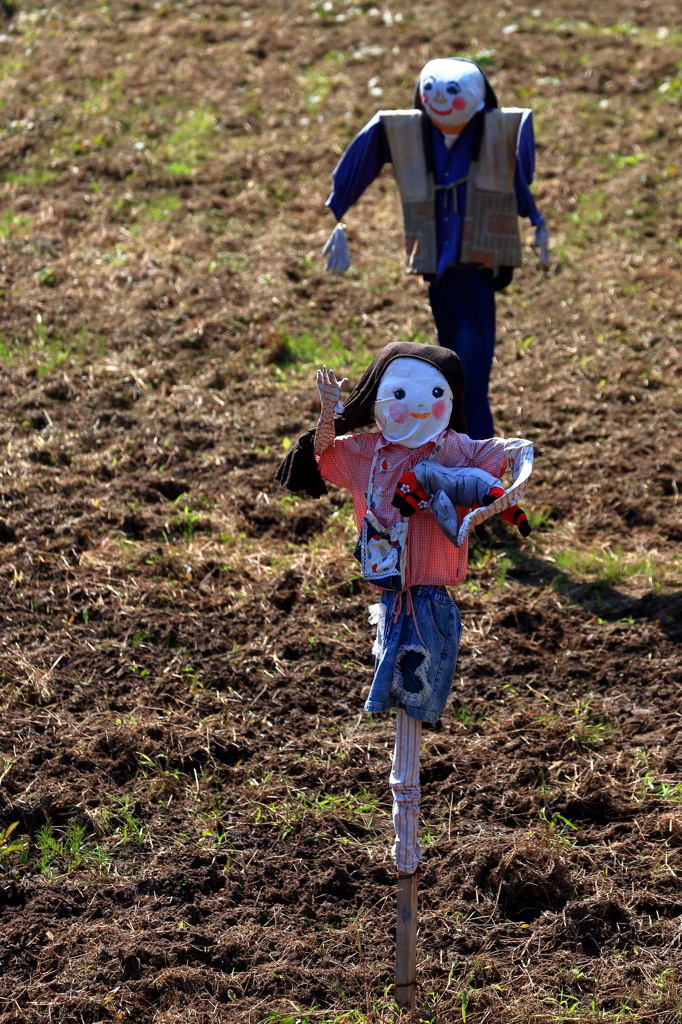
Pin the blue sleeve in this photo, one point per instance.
(525, 169)
(359, 166)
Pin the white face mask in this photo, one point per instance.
(413, 403)
(452, 91)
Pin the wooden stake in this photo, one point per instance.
(406, 943)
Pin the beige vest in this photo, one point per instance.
(490, 234)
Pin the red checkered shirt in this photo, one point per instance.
(431, 558)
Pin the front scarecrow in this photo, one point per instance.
(464, 167)
(411, 546)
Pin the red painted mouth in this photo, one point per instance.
(457, 104)
(420, 415)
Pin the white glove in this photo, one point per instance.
(542, 242)
(330, 389)
(336, 247)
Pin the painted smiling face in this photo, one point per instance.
(452, 91)
(414, 402)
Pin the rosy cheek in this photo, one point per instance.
(399, 412)
(424, 99)
(438, 409)
(459, 103)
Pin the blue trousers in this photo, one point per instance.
(416, 656)
(463, 304)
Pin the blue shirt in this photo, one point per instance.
(369, 151)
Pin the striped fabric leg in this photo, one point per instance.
(404, 783)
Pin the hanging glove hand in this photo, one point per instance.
(409, 495)
(336, 247)
(542, 242)
(330, 389)
(513, 515)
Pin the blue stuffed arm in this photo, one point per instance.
(464, 486)
(355, 171)
(523, 179)
(359, 166)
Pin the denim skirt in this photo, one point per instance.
(416, 655)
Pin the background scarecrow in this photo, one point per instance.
(464, 169)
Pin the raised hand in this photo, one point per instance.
(329, 387)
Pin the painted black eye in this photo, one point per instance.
(437, 392)
(453, 88)
(428, 86)
(399, 394)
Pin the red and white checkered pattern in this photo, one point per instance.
(431, 558)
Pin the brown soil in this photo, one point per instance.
(184, 653)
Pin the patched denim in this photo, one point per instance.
(416, 656)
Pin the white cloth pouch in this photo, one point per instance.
(382, 552)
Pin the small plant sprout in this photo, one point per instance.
(132, 830)
(186, 523)
(47, 276)
(502, 571)
(150, 766)
(48, 847)
(586, 733)
(7, 846)
(651, 786)
(558, 828)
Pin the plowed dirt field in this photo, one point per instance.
(203, 812)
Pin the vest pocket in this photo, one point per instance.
(421, 248)
(491, 229)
